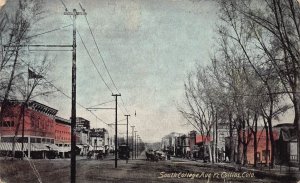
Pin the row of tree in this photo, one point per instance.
(253, 76)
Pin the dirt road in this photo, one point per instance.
(88, 171)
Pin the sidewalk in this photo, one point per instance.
(284, 173)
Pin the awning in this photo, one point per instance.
(38, 147)
(52, 147)
(202, 138)
(101, 148)
(80, 146)
(7, 146)
(64, 149)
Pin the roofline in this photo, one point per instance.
(62, 120)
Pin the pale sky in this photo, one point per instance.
(149, 46)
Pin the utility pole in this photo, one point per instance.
(135, 144)
(73, 110)
(132, 139)
(116, 130)
(127, 147)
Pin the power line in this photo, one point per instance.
(101, 103)
(92, 60)
(59, 90)
(102, 59)
(64, 5)
(46, 32)
(123, 104)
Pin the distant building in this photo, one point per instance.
(169, 143)
(99, 139)
(286, 144)
(82, 123)
(182, 146)
(222, 133)
(82, 135)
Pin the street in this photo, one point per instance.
(139, 170)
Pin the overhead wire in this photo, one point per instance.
(102, 103)
(49, 31)
(102, 59)
(59, 90)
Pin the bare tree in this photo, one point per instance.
(200, 109)
(246, 34)
(277, 32)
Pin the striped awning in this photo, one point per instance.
(38, 147)
(52, 147)
(7, 146)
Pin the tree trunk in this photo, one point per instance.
(267, 142)
(209, 152)
(272, 153)
(9, 84)
(238, 158)
(255, 142)
(296, 103)
(231, 147)
(244, 143)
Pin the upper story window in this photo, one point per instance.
(7, 124)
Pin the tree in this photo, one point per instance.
(246, 34)
(15, 82)
(200, 108)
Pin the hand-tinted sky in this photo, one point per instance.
(148, 46)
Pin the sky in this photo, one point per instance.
(148, 46)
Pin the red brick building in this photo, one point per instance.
(39, 127)
(63, 136)
(39, 122)
(62, 131)
(262, 152)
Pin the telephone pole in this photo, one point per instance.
(73, 110)
(116, 130)
(127, 148)
(135, 144)
(132, 139)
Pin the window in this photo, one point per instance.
(20, 139)
(266, 154)
(7, 124)
(32, 140)
(7, 139)
(258, 156)
(38, 140)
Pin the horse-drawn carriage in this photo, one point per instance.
(154, 155)
(99, 155)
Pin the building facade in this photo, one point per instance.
(39, 128)
(82, 136)
(63, 136)
(99, 139)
